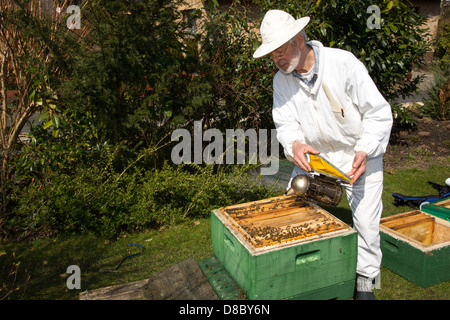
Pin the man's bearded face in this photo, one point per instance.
(287, 59)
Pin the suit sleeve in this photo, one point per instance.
(288, 128)
(374, 109)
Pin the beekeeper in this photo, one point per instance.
(324, 101)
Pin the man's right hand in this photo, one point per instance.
(299, 150)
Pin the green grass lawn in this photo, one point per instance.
(411, 182)
(45, 261)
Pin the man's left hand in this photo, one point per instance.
(358, 167)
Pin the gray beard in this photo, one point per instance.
(294, 62)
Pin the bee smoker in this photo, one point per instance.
(322, 189)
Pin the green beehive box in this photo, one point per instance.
(439, 208)
(416, 246)
(285, 248)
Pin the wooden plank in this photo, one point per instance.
(293, 214)
(184, 281)
(386, 220)
(292, 220)
(269, 214)
(407, 219)
(410, 223)
(128, 291)
(247, 209)
(443, 203)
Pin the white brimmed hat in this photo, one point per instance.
(277, 28)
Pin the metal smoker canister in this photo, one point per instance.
(317, 188)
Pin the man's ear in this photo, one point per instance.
(300, 40)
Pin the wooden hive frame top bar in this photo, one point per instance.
(279, 221)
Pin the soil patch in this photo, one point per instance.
(426, 145)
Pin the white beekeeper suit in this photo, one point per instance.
(341, 113)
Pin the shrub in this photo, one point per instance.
(402, 116)
(389, 52)
(240, 86)
(99, 201)
(437, 105)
